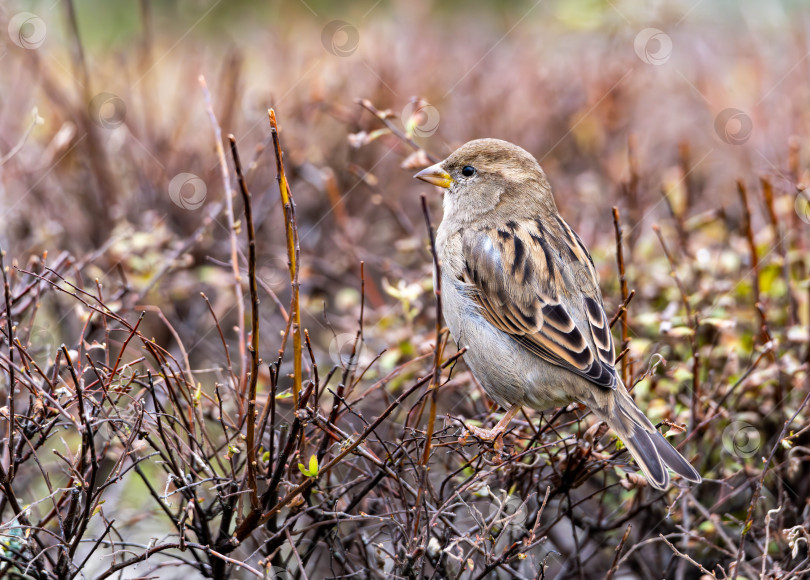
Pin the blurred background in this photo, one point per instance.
(692, 115)
(121, 161)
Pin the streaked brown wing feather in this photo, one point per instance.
(525, 279)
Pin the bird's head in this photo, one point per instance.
(486, 175)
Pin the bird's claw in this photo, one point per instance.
(494, 435)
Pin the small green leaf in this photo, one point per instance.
(98, 507)
(312, 470)
(707, 528)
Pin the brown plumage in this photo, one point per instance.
(521, 293)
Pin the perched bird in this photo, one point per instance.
(520, 292)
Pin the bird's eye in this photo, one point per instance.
(468, 171)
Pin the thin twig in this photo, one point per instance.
(749, 236)
(625, 296)
(250, 436)
(234, 244)
(685, 556)
(615, 566)
(292, 256)
(12, 383)
(437, 349)
(381, 115)
(622, 309)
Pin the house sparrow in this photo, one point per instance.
(520, 292)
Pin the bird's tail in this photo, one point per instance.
(652, 452)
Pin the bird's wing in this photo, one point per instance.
(534, 281)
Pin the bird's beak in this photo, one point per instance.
(435, 175)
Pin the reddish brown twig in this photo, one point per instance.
(625, 296)
(776, 230)
(234, 244)
(615, 566)
(250, 441)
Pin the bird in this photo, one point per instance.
(520, 292)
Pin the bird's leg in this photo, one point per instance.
(497, 431)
